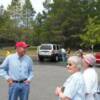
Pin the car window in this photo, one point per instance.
(58, 47)
(45, 47)
(54, 47)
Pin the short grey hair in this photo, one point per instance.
(75, 60)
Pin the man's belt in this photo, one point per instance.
(19, 81)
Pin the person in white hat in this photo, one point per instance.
(74, 86)
(90, 76)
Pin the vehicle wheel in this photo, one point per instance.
(40, 59)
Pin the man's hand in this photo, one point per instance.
(27, 82)
(10, 82)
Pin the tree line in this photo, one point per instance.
(72, 23)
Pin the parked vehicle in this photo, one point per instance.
(49, 51)
(97, 55)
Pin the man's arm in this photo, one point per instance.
(30, 70)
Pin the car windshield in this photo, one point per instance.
(45, 47)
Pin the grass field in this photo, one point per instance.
(3, 51)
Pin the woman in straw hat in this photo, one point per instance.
(90, 76)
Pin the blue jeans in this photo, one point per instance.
(19, 90)
(64, 58)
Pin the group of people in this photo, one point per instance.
(81, 85)
(17, 69)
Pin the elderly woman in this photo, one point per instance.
(74, 86)
(90, 76)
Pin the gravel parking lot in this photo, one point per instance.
(47, 77)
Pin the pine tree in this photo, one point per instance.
(28, 14)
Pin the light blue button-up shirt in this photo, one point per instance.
(17, 68)
(75, 87)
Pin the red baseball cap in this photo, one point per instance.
(22, 44)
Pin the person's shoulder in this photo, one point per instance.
(90, 72)
(28, 57)
(77, 76)
(79, 79)
(11, 55)
(93, 71)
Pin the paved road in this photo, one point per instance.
(47, 77)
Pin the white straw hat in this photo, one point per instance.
(90, 59)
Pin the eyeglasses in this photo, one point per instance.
(69, 64)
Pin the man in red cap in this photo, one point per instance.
(17, 70)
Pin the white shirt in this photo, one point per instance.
(63, 50)
(75, 87)
(91, 80)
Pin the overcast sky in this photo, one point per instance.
(37, 4)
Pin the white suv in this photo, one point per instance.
(51, 51)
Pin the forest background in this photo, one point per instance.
(71, 23)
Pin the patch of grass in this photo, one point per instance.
(30, 51)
